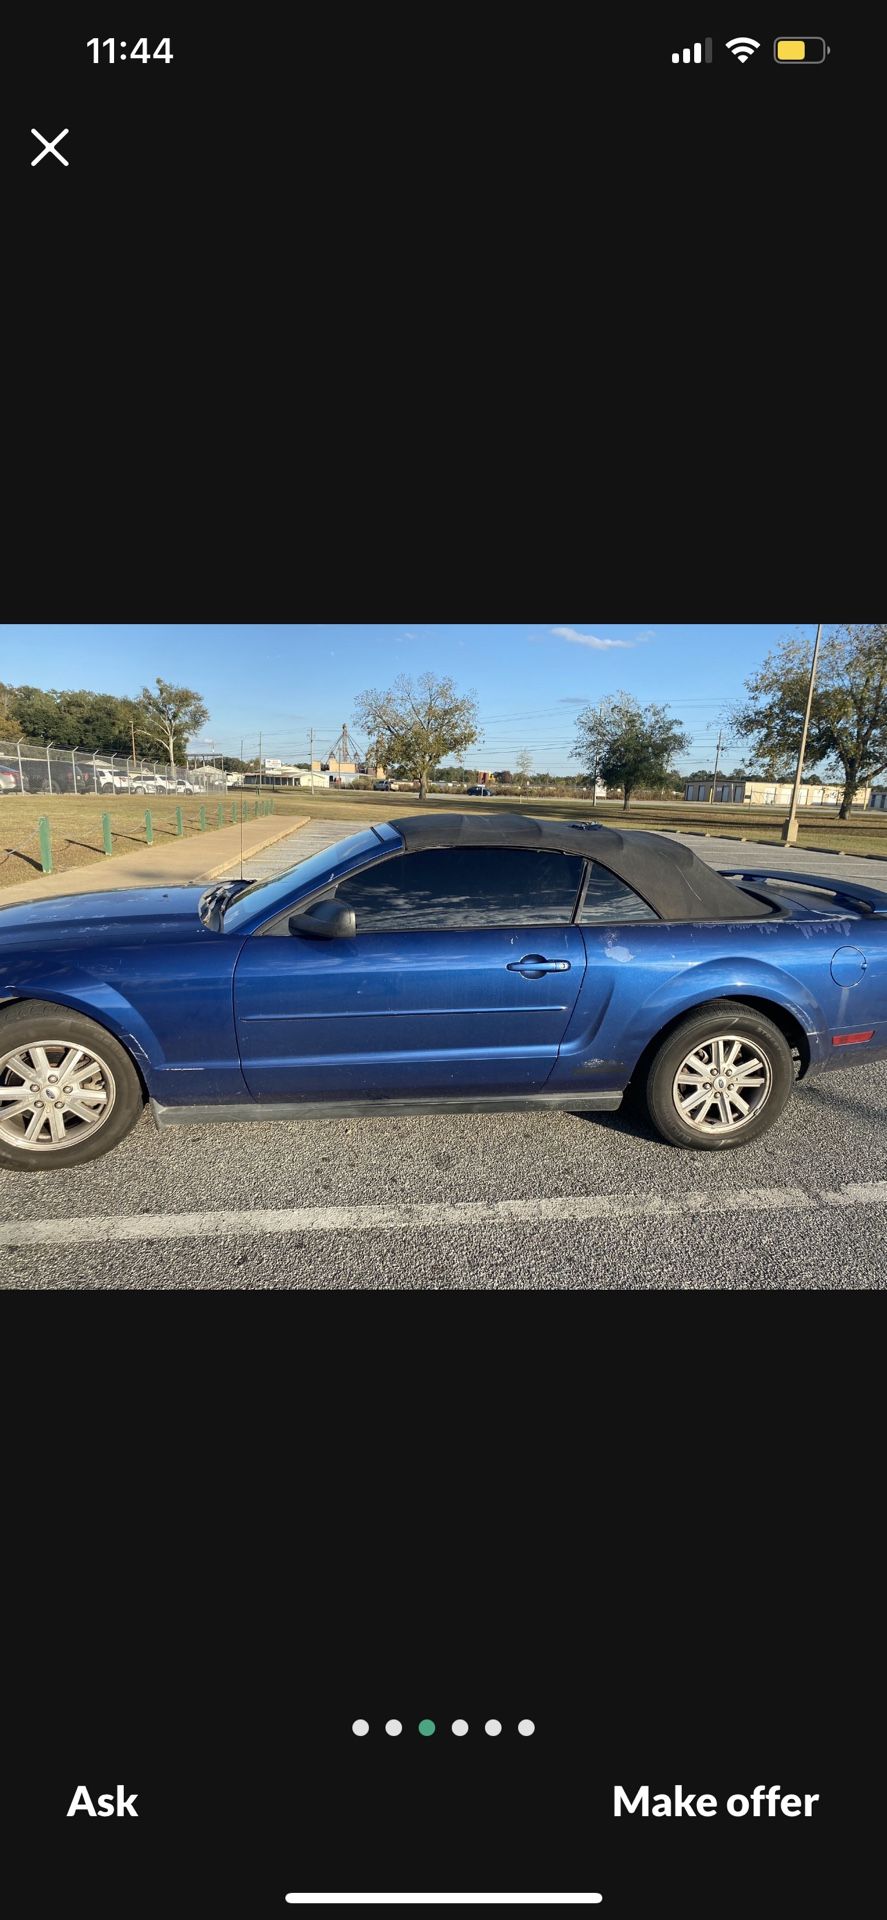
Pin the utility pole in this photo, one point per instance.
(311, 754)
(133, 726)
(790, 830)
(260, 760)
(717, 758)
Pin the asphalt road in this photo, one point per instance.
(510, 1201)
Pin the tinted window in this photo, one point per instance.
(450, 887)
(607, 898)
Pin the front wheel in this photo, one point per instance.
(720, 1079)
(68, 1091)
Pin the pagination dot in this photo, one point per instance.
(493, 1726)
(426, 1726)
(526, 1726)
(360, 1726)
(460, 1726)
(393, 1726)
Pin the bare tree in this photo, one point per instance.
(524, 765)
(169, 716)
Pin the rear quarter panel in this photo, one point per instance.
(640, 978)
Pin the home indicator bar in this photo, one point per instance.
(444, 1899)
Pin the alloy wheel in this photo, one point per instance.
(53, 1094)
(722, 1084)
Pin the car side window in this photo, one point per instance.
(608, 899)
(447, 888)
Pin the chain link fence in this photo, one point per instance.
(26, 766)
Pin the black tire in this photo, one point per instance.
(765, 1092)
(40, 1023)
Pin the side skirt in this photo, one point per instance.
(335, 1109)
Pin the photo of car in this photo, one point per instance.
(11, 781)
(589, 961)
(481, 793)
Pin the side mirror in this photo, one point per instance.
(325, 920)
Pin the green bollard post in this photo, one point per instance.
(233, 811)
(180, 824)
(203, 819)
(45, 843)
(220, 815)
(149, 827)
(106, 833)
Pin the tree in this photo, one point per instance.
(524, 767)
(701, 773)
(419, 721)
(8, 715)
(169, 716)
(848, 716)
(36, 712)
(628, 745)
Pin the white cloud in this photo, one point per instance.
(588, 639)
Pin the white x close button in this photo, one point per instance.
(49, 146)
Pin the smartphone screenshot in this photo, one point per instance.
(438, 857)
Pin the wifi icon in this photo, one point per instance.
(743, 47)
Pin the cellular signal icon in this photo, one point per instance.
(743, 47)
(692, 55)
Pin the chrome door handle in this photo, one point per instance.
(534, 965)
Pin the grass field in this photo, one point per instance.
(76, 824)
(76, 821)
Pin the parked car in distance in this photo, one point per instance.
(185, 786)
(59, 777)
(481, 793)
(633, 967)
(11, 781)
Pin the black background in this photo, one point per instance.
(668, 1565)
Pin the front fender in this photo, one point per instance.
(81, 993)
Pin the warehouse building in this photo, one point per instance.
(771, 793)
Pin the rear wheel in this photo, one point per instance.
(68, 1091)
(720, 1079)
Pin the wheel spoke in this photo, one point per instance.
(754, 1065)
(731, 1057)
(70, 1061)
(39, 1057)
(720, 1046)
(12, 1093)
(35, 1127)
(737, 1101)
(56, 1122)
(724, 1109)
(81, 1111)
(693, 1100)
(24, 1106)
(17, 1064)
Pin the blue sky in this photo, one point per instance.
(530, 681)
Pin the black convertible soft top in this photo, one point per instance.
(666, 874)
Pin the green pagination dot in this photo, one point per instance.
(426, 1726)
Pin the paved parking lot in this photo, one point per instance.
(496, 1201)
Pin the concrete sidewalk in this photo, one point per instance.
(179, 863)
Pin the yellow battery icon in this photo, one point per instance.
(810, 51)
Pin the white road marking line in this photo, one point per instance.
(253, 1221)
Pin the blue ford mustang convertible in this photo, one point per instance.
(445, 962)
